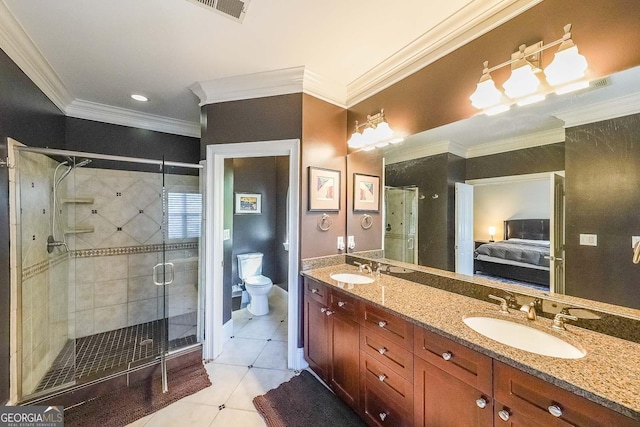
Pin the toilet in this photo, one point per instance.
(257, 285)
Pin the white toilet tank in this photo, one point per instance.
(249, 265)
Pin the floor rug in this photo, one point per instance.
(128, 404)
(303, 402)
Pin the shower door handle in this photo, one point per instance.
(157, 281)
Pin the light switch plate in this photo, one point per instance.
(589, 239)
(226, 234)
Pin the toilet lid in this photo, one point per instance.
(258, 281)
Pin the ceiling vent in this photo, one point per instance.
(601, 82)
(232, 9)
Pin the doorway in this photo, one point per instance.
(218, 331)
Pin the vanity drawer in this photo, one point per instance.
(386, 380)
(527, 397)
(316, 291)
(381, 410)
(392, 327)
(390, 354)
(344, 304)
(463, 363)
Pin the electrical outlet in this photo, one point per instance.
(589, 239)
(341, 243)
(351, 242)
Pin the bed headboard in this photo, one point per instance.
(532, 229)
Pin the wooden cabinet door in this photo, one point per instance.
(344, 341)
(316, 330)
(443, 400)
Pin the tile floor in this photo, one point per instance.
(251, 363)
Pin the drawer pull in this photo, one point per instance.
(382, 323)
(382, 377)
(382, 350)
(382, 415)
(555, 410)
(328, 312)
(504, 415)
(315, 291)
(481, 402)
(446, 356)
(323, 309)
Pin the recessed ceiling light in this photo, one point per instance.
(139, 97)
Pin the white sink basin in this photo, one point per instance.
(523, 337)
(353, 278)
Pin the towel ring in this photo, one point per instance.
(324, 222)
(366, 222)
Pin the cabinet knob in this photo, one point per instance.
(341, 303)
(555, 410)
(382, 377)
(481, 402)
(382, 416)
(446, 356)
(329, 312)
(382, 350)
(323, 309)
(382, 323)
(504, 415)
(314, 291)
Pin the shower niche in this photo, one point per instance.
(108, 266)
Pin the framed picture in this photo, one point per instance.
(366, 193)
(248, 203)
(324, 189)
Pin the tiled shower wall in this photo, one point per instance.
(112, 265)
(43, 289)
(105, 281)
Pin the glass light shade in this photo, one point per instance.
(567, 65)
(497, 109)
(368, 136)
(522, 82)
(486, 95)
(492, 231)
(356, 140)
(531, 99)
(572, 87)
(383, 132)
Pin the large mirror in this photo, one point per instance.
(562, 176)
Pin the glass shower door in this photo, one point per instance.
(400, 238)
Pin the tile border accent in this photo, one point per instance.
(42, 266)
(126, 250)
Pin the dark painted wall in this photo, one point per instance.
(439, 94)
(546, 158)
(368, 163)
(27, 116)
(602, 197)
(105, 138)
(227, 278)
(281, 256)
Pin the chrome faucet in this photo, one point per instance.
(504, 306)
(362, 267)
(558, 321)
(530, 309)
(380, 267)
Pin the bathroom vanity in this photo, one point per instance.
(399, 354)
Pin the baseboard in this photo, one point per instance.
(279, 292)
(298, 363)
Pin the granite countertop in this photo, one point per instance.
(609, 374)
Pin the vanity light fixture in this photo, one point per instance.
(524, 86)
(139, 97)
(377, 133)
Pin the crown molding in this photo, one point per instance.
(269, 83)
(121, 116)
(520, 142)
(600, 111)
(15, 42)
(465, 25)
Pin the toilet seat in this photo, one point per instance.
(258, 281)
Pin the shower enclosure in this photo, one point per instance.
(401, 237)
(107, 265)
